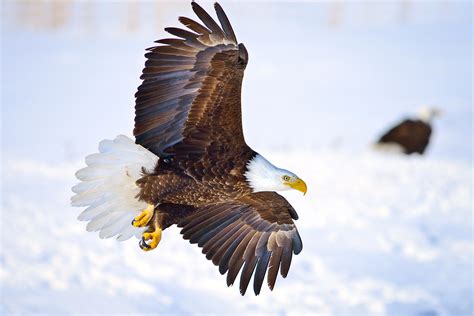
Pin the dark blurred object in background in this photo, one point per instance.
(411, 135)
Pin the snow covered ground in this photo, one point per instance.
(382, 235)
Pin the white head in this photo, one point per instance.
(426, 114)
(263, 176)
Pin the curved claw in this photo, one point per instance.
(151, 240)
(143, 245)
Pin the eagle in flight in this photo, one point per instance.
(190, 165)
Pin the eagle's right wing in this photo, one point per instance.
(190, 95)
(254, 232)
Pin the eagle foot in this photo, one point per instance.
(144, 217)
(150, 240)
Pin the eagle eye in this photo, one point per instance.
(286, 178)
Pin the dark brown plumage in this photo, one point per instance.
(188, 112)
(252, 231)
(412, 135)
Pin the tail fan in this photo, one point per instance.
(108, 188)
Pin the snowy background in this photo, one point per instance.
(383, 235)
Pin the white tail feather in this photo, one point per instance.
(108, 187)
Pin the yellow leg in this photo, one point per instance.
(144, 217)
(153, 237)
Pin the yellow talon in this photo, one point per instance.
(144, 217)
(155, 238)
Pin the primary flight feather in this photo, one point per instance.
(190, 165)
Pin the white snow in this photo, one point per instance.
(382, 234)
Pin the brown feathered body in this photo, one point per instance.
(412, 135)
(181, 182)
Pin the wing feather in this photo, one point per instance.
(273, 267)
(232, 242)
(286, 257)
(184, 80)
(193, 25)
(237, 259)
(208, 21)
(250, 260)
(226, 26)
(260, 271)
(250, 235)
(181, 33)
(215, 244)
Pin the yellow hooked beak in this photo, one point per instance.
(299, 185)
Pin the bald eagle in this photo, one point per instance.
(411, 135)
(190, 165)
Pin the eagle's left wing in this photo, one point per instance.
(255, 232)
(190, 96)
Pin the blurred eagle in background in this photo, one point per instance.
(190, 165)
(411, 135)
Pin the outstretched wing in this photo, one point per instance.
(190, 95)
(255, 232)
